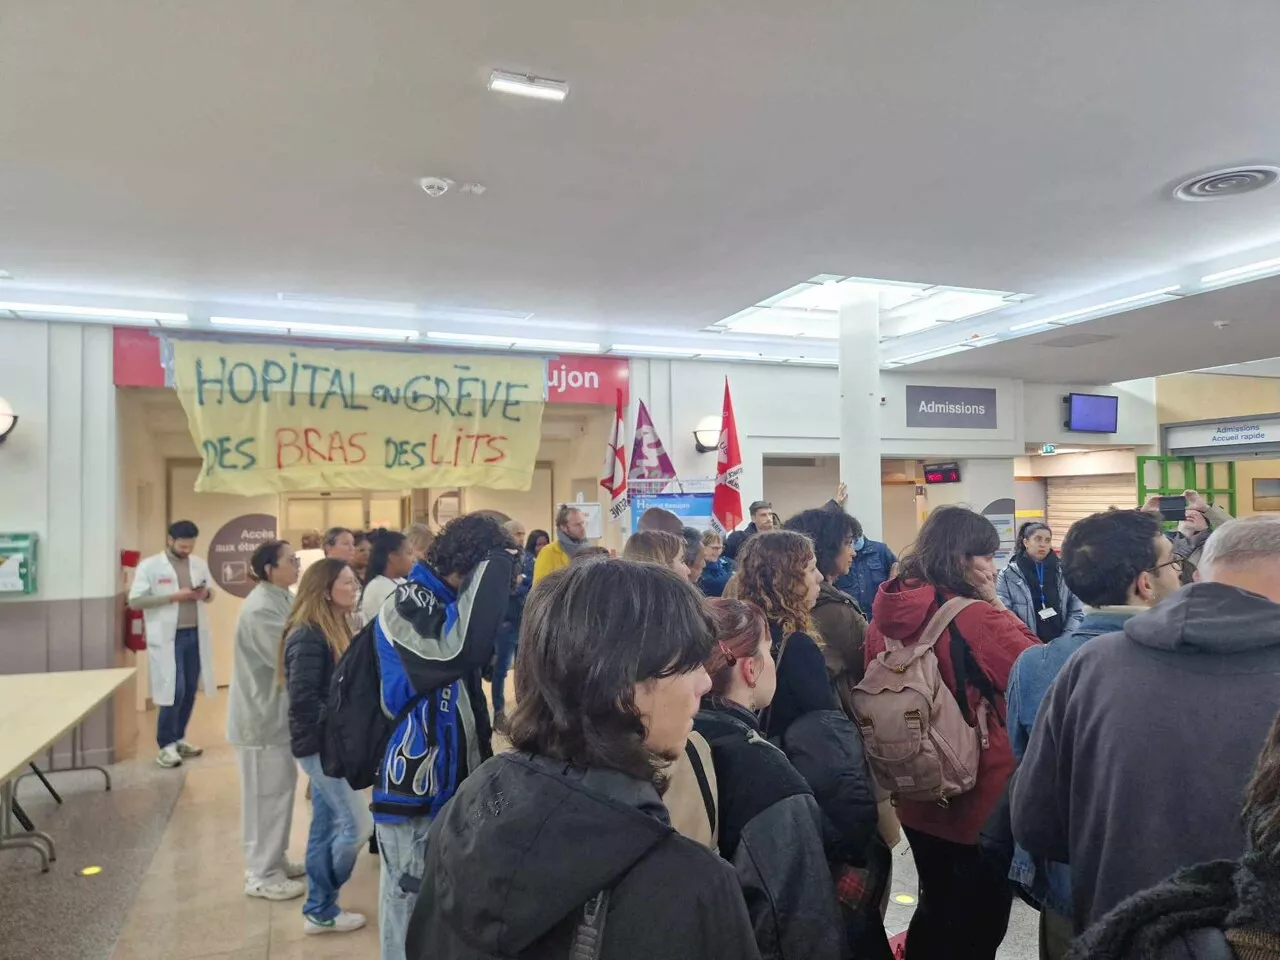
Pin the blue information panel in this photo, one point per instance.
(693, 509)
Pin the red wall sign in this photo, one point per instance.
(569, 379)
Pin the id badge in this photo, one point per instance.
(1048, 613)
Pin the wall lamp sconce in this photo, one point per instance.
(706, 435)
(8, 419)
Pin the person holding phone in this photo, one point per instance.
(171, 589)
(1198, 519)
(1033, 588)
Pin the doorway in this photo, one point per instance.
(209, 512)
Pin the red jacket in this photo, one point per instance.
(996, 637)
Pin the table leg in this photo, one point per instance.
(77, 754)
(15, 841)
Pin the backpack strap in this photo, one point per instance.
(967, 671)
(589, 936)
(942, 619)
(693, 749)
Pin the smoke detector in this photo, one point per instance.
(435, 186)
(1230, 182)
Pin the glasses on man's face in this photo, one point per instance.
(1176, 563)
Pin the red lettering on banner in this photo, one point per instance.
(283, 444)
(303, 450)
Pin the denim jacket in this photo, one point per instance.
(1034, 672)
(871, 567)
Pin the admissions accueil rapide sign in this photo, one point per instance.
(956, 408)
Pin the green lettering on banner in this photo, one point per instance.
(268, 418)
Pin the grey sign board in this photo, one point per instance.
(957, 408)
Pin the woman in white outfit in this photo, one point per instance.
(258, 727)
(389, 563)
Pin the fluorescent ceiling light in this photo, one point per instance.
(932, 354)
(813, 361)
(314, 329)
(94, 313)
(1162, 295)
(784, 322)
(643, 351)
(732, 355)
(538, 88)
(1251, 271)
(528, 343)
(811, 309)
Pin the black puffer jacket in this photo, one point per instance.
(527, 841)
(308, 665)
(825, 747)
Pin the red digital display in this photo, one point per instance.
(942, 473)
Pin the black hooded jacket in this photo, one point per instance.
(771, 830)
(527, 841)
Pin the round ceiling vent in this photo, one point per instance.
(1231, 182)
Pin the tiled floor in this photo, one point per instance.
(192, 905)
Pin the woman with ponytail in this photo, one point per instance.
(390, 561)
(769, 825)
(1033, 588)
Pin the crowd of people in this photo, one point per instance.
(716, 744)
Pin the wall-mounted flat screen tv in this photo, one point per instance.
(1092, 413)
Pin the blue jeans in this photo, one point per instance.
(171, 724)
(340, 825)
(403, 850)
(505, 648)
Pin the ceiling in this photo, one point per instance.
(1229, 326)
(709, 155)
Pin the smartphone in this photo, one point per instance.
(1173, 508)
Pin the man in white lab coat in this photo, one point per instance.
(171, 588)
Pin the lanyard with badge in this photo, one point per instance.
(1046, 612)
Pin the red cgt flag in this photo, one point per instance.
(726, 505)
(613, 477)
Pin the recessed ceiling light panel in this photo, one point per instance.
(521, 85)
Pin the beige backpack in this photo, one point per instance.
(691, 796)
(918, 744)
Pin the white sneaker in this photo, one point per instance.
(344, 922)
(169, 756)
(293, 871)
(281, 890)
(188, 750)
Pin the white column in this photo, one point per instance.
(860, 408)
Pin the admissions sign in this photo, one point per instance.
(270, 418)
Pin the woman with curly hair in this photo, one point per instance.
(838, 617)
(778, 572)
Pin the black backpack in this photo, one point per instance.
(355, 727)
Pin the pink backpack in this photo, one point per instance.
(918, 744)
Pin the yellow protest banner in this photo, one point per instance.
(270, 417)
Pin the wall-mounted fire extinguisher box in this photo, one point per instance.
(17, 563)
(135, 625)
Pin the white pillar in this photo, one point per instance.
(860, 408)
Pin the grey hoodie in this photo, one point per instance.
(1143, 747)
